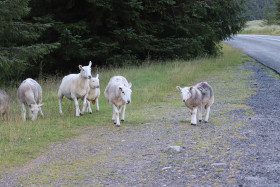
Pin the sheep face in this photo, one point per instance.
(85, 71)
(94, 82)
(125, 94)
(185, 93)
(33, 111)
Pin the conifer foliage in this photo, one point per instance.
(20, 54)
(66, 33)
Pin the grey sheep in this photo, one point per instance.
(196, 98)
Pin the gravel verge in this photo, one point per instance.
(238, 147)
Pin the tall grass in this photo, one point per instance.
(259, 27)
(152, 84)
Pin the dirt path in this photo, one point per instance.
(238, 147)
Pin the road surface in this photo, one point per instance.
(263, 48)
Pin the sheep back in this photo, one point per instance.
(30, 92)
(202, 96)
(71, 84)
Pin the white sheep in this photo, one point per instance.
(74, 87)
(197, 97)
(118, 94)
(93, 94)
(4, 104)
(30, 94)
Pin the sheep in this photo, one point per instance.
(118, 94)
(93, 94)
(74, 87)
(30, 94)
(197, 97)
(4, 104)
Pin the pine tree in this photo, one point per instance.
(20, 54)
(277, 11)
(269, 15)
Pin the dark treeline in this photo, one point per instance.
(51, 36)
(258, 9)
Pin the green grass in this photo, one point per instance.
(152, 83)
(259, 27)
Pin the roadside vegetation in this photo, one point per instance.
(260, 27)
(152, 83)
(57, 36)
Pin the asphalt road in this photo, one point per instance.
(263, 48)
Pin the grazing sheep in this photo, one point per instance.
(118, 94)
(74, 87)
(197, 97)
(93, 94)
(4, 104)
(30, 94)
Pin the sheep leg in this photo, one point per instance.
(60, 96)
(88, 108)
(199, 114)
(123, 113)
(41, 112)
(114, 116)
(117, 115)
(207, 114)
(97, 105)
(77, 107)
(84, 104)
(23, 112)
(193, 117)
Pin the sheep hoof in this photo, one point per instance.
(193, 124)
(205, 121)
(90, 112)
(81, 114)
(118, 125)
(122, 120)
(200, 121)
(115, 123)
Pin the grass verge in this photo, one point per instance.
(259, 27)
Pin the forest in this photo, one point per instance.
(257, 9)
(51, 37)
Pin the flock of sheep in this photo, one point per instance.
(118, 93)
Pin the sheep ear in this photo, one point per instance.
(129, 85)
(40, 104)
(97, 76)
(120, 88)
(90, 63)
(80, 67)
(179, 88)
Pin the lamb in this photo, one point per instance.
(197, 97)
(118, 94)
(4, 104)
(93, 94)
(74, 87)
(30, 94)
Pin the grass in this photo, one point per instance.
(152, 83)
(259, 27)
